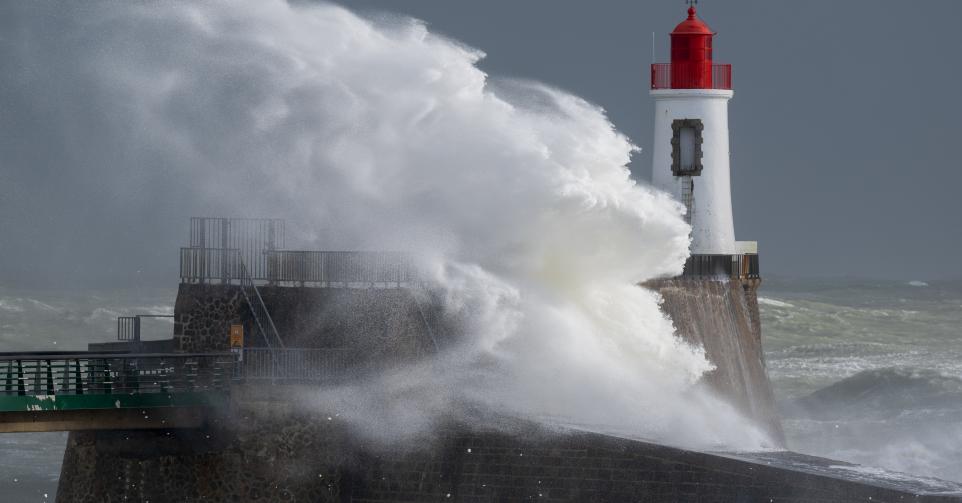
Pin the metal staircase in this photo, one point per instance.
(262, 317)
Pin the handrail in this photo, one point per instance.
(320, 268)
(43, 376)
(691, 75)
(128, 327)
(258, 308)
(734, 266)
(43, 355)
(206, 264)
(294, 364)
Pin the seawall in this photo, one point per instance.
(722, 316)
(271, 449)
(270, 446)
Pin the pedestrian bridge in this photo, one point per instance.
(71, 391)
(53, 391)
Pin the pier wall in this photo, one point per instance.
(275, 451)
(722, 316)
(382, 324)
(393, 324)
(267, 447)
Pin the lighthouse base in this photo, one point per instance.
(720, 313)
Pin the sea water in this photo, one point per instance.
(869, 371)
(47, 320)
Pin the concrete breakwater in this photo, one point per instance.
(270, 449)
(269, 446)
(722, 316)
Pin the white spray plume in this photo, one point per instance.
(383, 135)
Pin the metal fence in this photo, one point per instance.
(738, 266)
(341, 267)
(128, 327)
(203, 265)
(319, 268)
(249, 236)
(51, 374)
(294, 364)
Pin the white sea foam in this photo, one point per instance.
(10, 306)
(387, 136)
(773, 302)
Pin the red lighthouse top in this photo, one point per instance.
(692, 65)
(692, 25)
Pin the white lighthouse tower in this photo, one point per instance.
(691, 148)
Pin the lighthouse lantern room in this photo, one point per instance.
(691, 144)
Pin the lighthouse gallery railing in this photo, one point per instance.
(690, 76)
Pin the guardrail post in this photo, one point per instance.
(36, 377)
(8, 387)
(78, 380)
(21, 386)
(50, 387)
(108, 379)
(65, 377)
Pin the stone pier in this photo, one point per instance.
(280, 443)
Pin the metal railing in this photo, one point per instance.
(738, 266)
(262, 317)
(249, 236)
(294, 364)
(56, 373)
(203, 265)
(691, 76)
(340, 267)
(320, 268)
(128, 327)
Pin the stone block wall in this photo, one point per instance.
(203, 315)
(273, 451)
(381, 324)
(385, 326)
(264, 450)
(722, 316)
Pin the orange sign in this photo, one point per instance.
(236, 336)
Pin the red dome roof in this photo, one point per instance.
(692, 26)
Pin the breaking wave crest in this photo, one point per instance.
(384, 135)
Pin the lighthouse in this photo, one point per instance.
(691, 144)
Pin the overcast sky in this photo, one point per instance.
(844, 127)
(845, 121)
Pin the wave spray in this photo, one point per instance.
(384, 135)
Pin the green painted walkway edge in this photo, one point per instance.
(18, 403)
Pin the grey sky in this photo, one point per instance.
(845, 119)
(844, 129)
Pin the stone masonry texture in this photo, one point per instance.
(273, 451)
(268, 446)
(722, 317)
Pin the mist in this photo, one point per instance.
(373, 134)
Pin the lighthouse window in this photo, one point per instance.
(686, 136)
(686, 140)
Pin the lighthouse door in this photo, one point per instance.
(686, 140)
